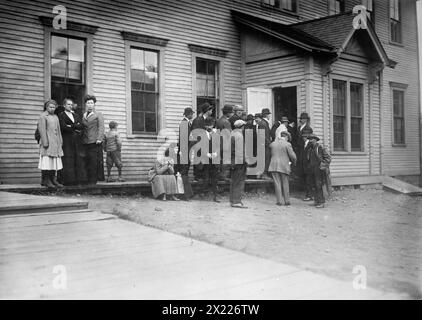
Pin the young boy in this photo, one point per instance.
(113, 146)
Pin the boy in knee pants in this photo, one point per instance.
(113, 146)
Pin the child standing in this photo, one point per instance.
(50, 145)
(113, 147)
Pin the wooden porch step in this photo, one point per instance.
(17, 203)
(400, 186)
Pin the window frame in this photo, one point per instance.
(390, 19)
(348, 140)
(221, 68)
(87, 37)
(329, 7)
(160, 103)
(402, 88)
(295, 12)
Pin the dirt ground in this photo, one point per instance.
(377, 229)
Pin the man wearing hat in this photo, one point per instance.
(238, 111)
(238, 166)
(281, 125)
(199, 123)
(265, 125)
(224, 123)
(319, 160)
(302, 170)
(184, 144)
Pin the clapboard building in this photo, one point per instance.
(146, 60)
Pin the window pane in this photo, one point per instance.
(75, 72)
(201, 66)
(76, 50)
(136, 76)
(150, 102)
(151, 61)
(339, 134)
(150, 122)
(356, 99)
(211, 89)
(339, 97)
(356, 134)
(138, 121)
(151, 81)
(59, 47)
(137, 59)
(201, 87)
(58, 69)
(137, 101)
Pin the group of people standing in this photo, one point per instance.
(71, 146)
(288, 148)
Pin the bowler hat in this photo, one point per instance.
(205, 107)
(284, 119)
(312, 136)
(228, 108)
(188, 111)
(249, 117)
(258, 115)
(265, 111)
(304, 115)
(209, 121)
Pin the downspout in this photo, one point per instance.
(380, 80)
(418, 39)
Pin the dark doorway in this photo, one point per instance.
(285, 103)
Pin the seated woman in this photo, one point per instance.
(163, 181)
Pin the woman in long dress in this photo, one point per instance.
(50, 145)
(163, 183)
(73, 149)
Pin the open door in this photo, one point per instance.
(285, 103)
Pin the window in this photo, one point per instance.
(144, 89)
(207, 82)
(348, 110)
(398, 117)
(336, 6)
(395, 23)
(288, 5)
(68, 66)
(369, 5)
(339, 114)
(356, 116)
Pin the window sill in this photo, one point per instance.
(152, 136)
(397, 44)
(399, 145)
(283, 11)
(349, 153)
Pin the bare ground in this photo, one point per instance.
(373, 228)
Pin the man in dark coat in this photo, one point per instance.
(303, 131)
(199, 123)
(319, 160)
(224, 123)
(265, 125)
(184, 159)
(211, 169)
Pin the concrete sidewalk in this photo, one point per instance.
(89, 255)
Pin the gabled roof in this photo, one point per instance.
(283, 32)
(329, 34)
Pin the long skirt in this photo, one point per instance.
(50, 163)
(163, 184)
